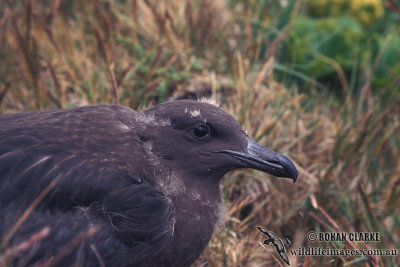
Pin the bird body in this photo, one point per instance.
(147, 181)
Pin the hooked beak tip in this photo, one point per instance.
(289, 168)
(263, 159)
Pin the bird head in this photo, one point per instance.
(207, 142)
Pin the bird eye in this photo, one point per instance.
(201, 130)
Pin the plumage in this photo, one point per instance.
(148, 181)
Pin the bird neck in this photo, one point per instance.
(197, 213)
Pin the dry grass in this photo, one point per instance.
(71, 53)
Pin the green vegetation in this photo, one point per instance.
(318, 81)
(337, 40)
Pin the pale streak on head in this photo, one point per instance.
(195, 113)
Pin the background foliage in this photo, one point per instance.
(315, 80)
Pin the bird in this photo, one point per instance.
(280, 244)
(116, 187)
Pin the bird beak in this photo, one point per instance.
(262, 159)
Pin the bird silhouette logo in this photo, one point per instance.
(280, 244)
